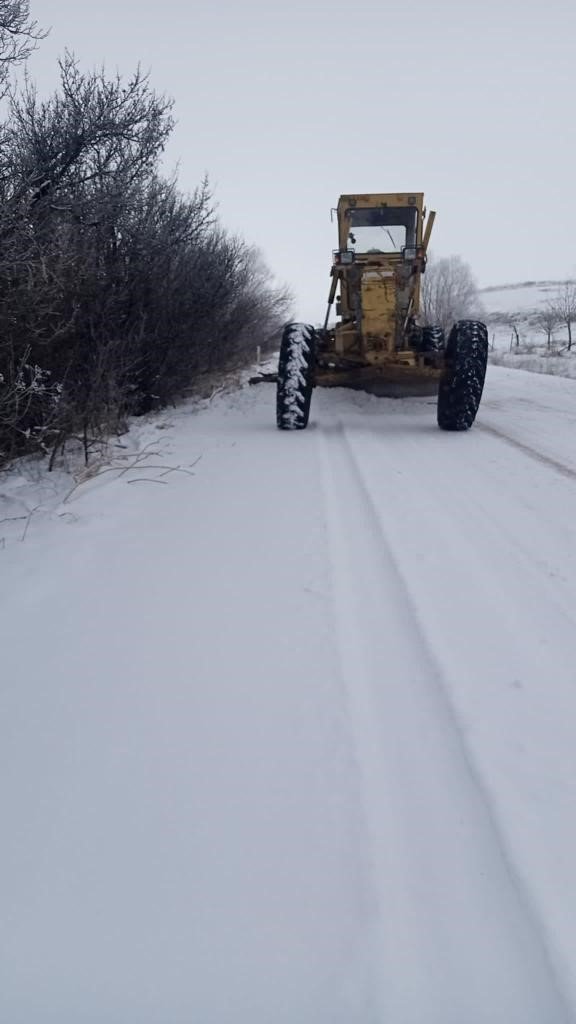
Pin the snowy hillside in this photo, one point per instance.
(521, 299)
(517, 338)
(288, 725)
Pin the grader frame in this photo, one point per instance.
(382, 245)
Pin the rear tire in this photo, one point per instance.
(462, 382)
(433, 339)
(295, 376)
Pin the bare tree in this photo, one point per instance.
(90, 131)
(18, 36)
(546, 321)
(564, 306)
(449, 292)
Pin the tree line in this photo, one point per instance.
(450, 293)
(559, 311)
(117, 291)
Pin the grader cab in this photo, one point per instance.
(379, 342)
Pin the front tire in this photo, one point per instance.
(295, 376)
(462, 382)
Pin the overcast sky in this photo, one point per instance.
(288, 105)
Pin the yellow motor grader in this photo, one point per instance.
(378, 342)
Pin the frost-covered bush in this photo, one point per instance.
(116, 290)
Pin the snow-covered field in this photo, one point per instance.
(288, 727)
(536, 358)
(526, 346)
(517, 298)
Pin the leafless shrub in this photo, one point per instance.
(116, 290)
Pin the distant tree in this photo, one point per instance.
(564, 306)
(546, 321)
(449, 292)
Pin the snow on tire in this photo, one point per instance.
(462, 382)
(295, 376)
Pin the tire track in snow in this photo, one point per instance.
(501, 405)
(533, 453)
(497, 609)
(454, 941)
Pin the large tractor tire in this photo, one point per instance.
(462, 382)
(433, 339)
(295, 376)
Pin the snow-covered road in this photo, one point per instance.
(291, 736)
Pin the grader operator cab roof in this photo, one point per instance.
(390, 223)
